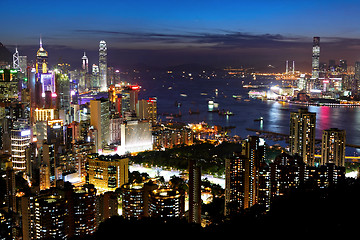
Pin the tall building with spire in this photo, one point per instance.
(41, 65)
(103, 65)
(316, 58)
(85, 63)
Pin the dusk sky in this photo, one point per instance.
(160, 33)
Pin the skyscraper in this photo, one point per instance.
(194, 192)
(302, 135)
(315, 58)
(333, 147)
(41, 60)
(85, 63)
(103, 65)
(99, 119)
(247, 178)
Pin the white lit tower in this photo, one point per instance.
(16, 64)
(315, 58)
(103, 65)
(85, 63)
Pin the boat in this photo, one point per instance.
(183, 95)
(237, 97)
(193, 112)
(259, 119)
(226, 113)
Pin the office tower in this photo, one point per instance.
(194, 192)
(64, 97)
(115, 130)
(41, 65)
(147, 109)
(302, 135)
(95, 76)
(103, 66)
(286, 173)
(23, 64)
(20, 140)
(85, 63)
(100, 119)
(10, 195)
(333, 147)
(316, 58)
(129, 99)
(16, 64)
(44, 176)
(166, 203)
(107, 172)
(136, 136)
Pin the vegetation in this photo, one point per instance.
(212, 157)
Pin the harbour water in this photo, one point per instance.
(182, 95)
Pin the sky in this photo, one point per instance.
(161, 33)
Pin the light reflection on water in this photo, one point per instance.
(276, 115)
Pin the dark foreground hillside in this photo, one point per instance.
(304, 213)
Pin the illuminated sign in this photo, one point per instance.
(25, 133)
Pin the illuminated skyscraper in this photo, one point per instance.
(41, 60)
(316, 57)
(85, 63)
(100, 119)
(247, 178)
(333, 147)
(103, 65)
(20, 140)
(302, 135)
(194, 192)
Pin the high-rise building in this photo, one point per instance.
(95, 76)
(100, 120)
(10, 194)
(103, 66)
(247, 180)
(85, 63)
(136, 136)
(147, 109)
(41, 65)
(166, 203)
(135, 199)
(302, 135)
(107, 172)
(20, 140)
(316, 58)
(106, 206)
(287, 172)
(194, 192)
(333, 147)
(129, 99)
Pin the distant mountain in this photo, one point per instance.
(5, 55)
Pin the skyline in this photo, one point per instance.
(172, 33)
